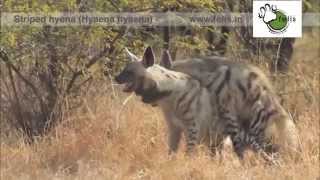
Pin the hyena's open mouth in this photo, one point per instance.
(128, 87)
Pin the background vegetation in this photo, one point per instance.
(62, 117)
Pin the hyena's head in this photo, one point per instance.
(137, 79)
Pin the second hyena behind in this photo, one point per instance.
(245, 101)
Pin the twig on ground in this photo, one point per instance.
(121, 109)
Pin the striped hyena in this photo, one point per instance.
(185, 104)
(246, 103)
(242, 103)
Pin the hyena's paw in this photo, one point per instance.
(272, 148)
(239, 144)
(190, 151)
(239, 148)
(172, 155)
(271, 159)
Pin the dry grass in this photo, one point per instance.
(102, 140)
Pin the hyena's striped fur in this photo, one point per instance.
(246, 103)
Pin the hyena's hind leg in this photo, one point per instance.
(262, 113)
(287, 132)
(268, 112)
(244, 137)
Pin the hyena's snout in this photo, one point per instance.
(129, 85)
(120, 79)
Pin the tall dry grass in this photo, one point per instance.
(106, 139)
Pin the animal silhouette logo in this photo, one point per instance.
(276, 20)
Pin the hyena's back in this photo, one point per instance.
(247, 84)
(201, 68)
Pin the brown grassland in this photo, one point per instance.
(109, 139)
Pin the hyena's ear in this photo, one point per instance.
(166, 60)
(148, 57)
(131, 56)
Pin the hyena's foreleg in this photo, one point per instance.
(238, 142)
(192, 135)
(233, 129)
(174, 136)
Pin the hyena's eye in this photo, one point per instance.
(128, 73)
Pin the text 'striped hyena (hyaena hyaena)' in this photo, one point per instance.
(241, 100)
(185, 104)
